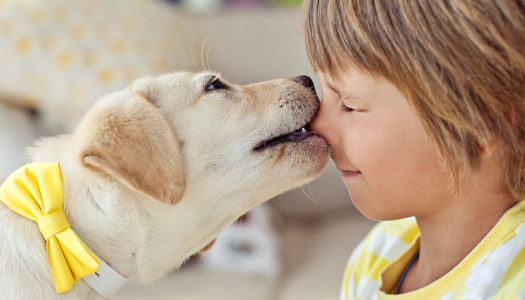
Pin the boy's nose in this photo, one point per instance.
(321, 123)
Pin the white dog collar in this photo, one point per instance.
(106, 281)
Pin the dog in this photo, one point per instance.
(154, 172)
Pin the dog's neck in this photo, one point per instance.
(141, 237)
(97, 217)
(102, 230)
(142, 242)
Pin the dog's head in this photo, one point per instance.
(206, 149)
(184, 132)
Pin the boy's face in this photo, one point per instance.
(387, 163)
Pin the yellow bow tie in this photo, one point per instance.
(36, 192)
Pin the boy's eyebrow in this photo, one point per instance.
(344, 95)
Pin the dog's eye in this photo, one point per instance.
(215, 84)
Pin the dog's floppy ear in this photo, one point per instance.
(142, 87)
(128, 138)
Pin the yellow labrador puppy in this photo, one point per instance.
(154, 172)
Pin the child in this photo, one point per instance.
(423, 105)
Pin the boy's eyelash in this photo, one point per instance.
(346, 108)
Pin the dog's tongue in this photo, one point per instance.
(295, 136)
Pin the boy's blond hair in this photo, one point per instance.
(461, 65)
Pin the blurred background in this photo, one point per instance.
(58, 56)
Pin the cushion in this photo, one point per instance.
(59, 56)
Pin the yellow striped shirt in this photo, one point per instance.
(494, 269)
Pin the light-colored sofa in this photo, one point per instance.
(316, 226)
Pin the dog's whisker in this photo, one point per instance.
(313, 196)
(306, 194)
(208, 53)
(309, 194)
(206, 37)
(191, 51)
(208, 57)
(203, 44)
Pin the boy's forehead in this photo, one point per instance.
(350, 83)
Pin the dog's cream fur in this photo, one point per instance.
(154, 172)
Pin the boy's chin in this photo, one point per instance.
(375, 212)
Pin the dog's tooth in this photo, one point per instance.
(303, 129)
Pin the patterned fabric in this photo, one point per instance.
(495, 268)
(59, 56)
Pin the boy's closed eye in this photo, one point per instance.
(344, 97)
(346, 108)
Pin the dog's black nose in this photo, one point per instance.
(306, 81)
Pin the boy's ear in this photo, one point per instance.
(131, 140)
(487, 147)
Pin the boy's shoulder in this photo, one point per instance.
(392, 235)
(494, 269)
(383, 245)
(404, 229)
(386, 242)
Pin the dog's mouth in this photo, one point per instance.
(298, 135)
